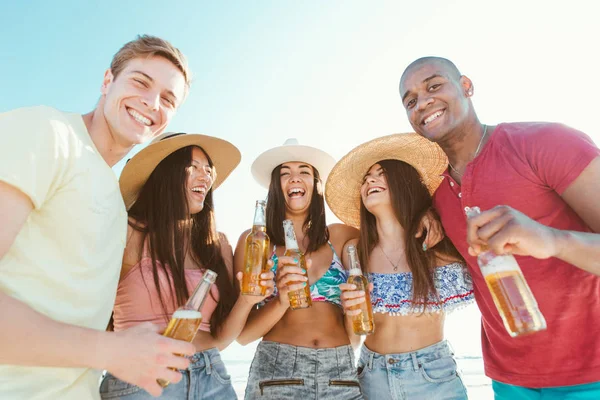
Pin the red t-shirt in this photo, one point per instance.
(528, 166)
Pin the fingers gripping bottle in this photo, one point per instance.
(186, 320)
(511, 293)
(256, 253)
(362, 324)
(298, 298)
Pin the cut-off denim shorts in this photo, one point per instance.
(428, 373)
(281, 371)
(205, 378)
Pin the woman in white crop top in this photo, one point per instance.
(415, 279)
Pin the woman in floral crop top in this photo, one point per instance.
(384, 186)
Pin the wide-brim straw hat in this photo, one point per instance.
(343, 186)
(224, 155)
(290, 151)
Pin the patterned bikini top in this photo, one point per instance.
(325, 289)
(392, 293)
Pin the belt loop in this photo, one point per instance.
(370, 361)
(207, 363)
(415, 362)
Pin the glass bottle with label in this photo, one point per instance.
(256, 253)
(362, 324)
(298, 298)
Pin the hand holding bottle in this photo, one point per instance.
(351, 297)
(290, 277)
(267, 280)
(505, 230)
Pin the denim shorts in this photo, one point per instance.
(428, 373)
(587, 391)
(281, 371)
(206, 378)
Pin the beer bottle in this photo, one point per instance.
(362, 324)
(298, 298)
(511, 293)
(186, 320)
(256, 253)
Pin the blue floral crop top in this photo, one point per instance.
(327, 288)
(392, 293)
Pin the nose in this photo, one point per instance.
(370, 179)
(424, 102)
(295, 178)
(151, 100)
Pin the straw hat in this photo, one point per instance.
(290, 151)
(138, 169)
(343, 186)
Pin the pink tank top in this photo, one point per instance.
(137, 299)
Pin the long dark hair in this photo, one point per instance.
(162, 213)
(411, 201)
(314, 224)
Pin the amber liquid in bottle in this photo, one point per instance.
(362, 324)
(186, 320)
(298, 298)
(511, 293)
(256, 254)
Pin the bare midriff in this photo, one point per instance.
(320, 326)
(405, 333)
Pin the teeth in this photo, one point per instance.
(139, 117)
(374, 190)
(432, 117)
(199, 190)
(295, 190)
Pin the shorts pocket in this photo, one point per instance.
(441, 370)
(112, 387)
(338, 382)
(220, 373)
(279, 383)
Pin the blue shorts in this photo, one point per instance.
(205, 378)
(428, 373)
(588, 391)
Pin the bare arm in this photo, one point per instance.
(504, 229)
(139, 356)
(239, 313)
(260, 321)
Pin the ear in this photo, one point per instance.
(467, 86)
(108, 79)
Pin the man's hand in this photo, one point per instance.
(141, 355)
(505, 230)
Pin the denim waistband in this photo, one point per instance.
(287, 360)
(205, 358)
(408, 360)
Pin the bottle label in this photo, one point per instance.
(290, 236)
(355, 271)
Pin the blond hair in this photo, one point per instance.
(149, 46)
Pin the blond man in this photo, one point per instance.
(63, 233)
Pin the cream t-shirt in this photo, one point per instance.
(66, 259)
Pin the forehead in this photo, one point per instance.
(296, 164)
(198, 155)
(415, 75)
(374, 168)
(162, 71)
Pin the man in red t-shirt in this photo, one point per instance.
(538, 184)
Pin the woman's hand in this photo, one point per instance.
(290, 277)
(352, 298)
(267, 280)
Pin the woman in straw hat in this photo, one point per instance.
(384, 187)
(168, 191)
(305, 353)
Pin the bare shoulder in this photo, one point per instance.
(340, 234)
(443, 260)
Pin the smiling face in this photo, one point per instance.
(199, 180)
(139, 103)
(374, 189)
(297, 185)
(436, 98)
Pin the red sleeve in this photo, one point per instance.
(557, 153)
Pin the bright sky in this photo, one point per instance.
(325, 72)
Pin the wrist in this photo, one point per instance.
(102, 343)
(561, 241)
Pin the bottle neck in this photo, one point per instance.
(197, 299)
(290, 236)
(355, 272)
(259, 216)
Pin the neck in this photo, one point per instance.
(461, 144)
(389, 231)
(99, 131)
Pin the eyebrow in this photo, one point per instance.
(424, 81)
(169, 92)
(199, 163)
(377, 170)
